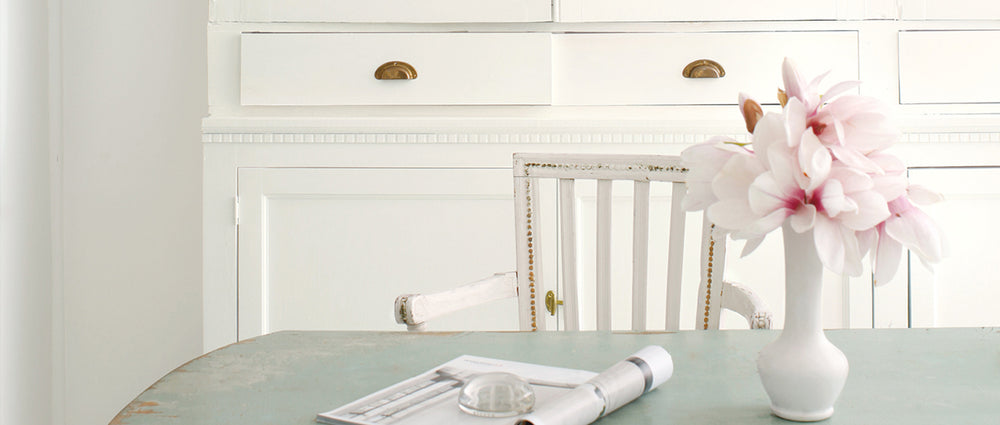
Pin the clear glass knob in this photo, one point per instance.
(496, 395)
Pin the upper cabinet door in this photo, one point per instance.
(719, 10)
(381, 11)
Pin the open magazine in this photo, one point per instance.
(562, 396)
(432, 397)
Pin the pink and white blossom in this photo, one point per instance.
(820, 164)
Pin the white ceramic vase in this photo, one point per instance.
(802, 372)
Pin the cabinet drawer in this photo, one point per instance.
(339, 69)
(382, 11)
(659, 10)
(948, 10)
(948, 67)
(646, 69)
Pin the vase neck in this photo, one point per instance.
(803, 283)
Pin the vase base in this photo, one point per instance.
(799, 416)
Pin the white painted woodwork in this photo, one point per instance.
(948, 67)
(675, 257)
(948, 10)
(640, 253)
(657, 10)
(712, 267)
(414, 310)
(962, 290)
(323, 248)
(616, 88)
(645, 68)
(339, 68)
(529, 171)
(382, 11)
(568, 254)
(603, 257)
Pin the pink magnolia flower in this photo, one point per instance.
(909, 227)
(821, 167)
(808, 93)
(704, 161)
(854, 127)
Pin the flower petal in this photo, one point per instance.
(872, 210)
(832, 200)
(829, 244)
(815, 162)
(731, 214)
(887, 256)
(917, 232)
(766, 195)
(751, 245)
(837, 247)
(839, 88)
(923, 195)
(804, 218)
(855, 159)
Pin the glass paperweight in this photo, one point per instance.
(496, 395)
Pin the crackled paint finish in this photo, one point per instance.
(897, 376)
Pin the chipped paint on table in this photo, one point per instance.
(911, 376)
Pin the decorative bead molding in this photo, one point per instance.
(539, 138)
(457, 138)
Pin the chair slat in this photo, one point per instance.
(529, 276)
(713, 264)
(567, 230)
(604, 255)
(675, 257)
(640, 253)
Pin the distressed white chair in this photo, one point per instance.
(714, 294)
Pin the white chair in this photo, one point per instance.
(714, 293)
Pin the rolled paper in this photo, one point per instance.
(615, 387)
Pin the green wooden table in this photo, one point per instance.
(904, 376)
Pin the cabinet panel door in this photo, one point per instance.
(964, 288)
(323, 248)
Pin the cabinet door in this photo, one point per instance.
(323, 248)
(964, 288)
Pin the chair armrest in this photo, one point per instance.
(414, 310)
(741, 299)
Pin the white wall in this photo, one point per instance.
(25, 239)
(133, 93)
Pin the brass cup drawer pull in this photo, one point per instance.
(704, 68)
(396, 70)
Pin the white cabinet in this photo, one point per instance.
(331, 248)
(353, 190)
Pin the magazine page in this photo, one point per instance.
(432, 397)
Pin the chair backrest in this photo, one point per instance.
(559, 175)
(567, 169)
